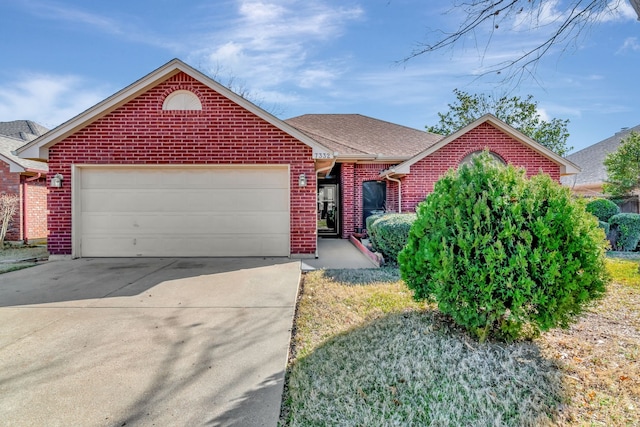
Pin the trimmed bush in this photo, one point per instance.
(389, 234)
(605, 227)
(603, 209)
(503, 255)
(626, 228)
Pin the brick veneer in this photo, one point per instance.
(140, 132)
(36, 201)
(424, 174)
(427, 171)
(352, 177)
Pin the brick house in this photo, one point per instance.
(24, 178)
(178, 165)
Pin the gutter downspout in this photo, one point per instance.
(327, 168)
(25, 238)
(399, 191)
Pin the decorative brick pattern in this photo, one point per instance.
(140, 132)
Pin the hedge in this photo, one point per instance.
(626, 228)
(603, 209)
(389, 233)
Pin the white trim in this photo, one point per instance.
(13, 166)
(39, 148)
(566, 167)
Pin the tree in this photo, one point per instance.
(623, 167)
(488, 17)
(522, 114)
(504, 255)
(8, 208)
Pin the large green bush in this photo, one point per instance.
(389, 234)
(626, 228)
(603, 209)
(503, 255)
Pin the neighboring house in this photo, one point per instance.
(24, 178)
(593, 175)
(178, 165)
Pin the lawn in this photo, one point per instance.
(18, 257)
(364, 353)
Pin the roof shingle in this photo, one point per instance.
(355, 134)
(591, 160)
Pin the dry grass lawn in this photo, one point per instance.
(364, 353)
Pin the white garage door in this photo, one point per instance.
(213, 211)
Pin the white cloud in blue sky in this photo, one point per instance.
(313, 57)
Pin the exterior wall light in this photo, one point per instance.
(56, 180)
(302, 180)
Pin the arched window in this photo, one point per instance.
(469, 157)
(182, 100)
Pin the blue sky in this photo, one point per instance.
(60, 57)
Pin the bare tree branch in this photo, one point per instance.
(486, 18)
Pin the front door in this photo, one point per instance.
(374, 195)
(328, 214)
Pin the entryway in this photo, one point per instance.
(328, 215)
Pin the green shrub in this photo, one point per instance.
(626, 227)
(389, 234)
(605, 227)
(603, 209)
(503, 255)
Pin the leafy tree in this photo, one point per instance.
(560, 24)
(504, 255)
(623, 167)
(521, 114)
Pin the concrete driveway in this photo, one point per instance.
(164, 342)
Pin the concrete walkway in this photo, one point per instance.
(142, 342)
(337, 254)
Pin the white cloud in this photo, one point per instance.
(273, 42)
(630, 43)
(47, 99)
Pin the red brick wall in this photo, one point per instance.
(140, 132)
(10, 184)
(352, 177)
(427, 171)
(36, 201)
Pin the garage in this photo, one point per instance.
(153, 211)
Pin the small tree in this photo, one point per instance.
(623, 167)
(504, 255)
(522, 114)
(8, 208)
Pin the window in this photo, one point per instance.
(182, 100)
(494, 157)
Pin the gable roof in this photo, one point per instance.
(354, 136)
(591, 160)
(39, 148)
(16, 164)
(566, 167)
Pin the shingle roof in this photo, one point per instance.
(8, 145)
(591, 160)
(25, 130)
(355, 134)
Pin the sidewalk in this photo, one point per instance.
(336, 254)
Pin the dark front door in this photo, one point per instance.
(328, 210)
(374, 195)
